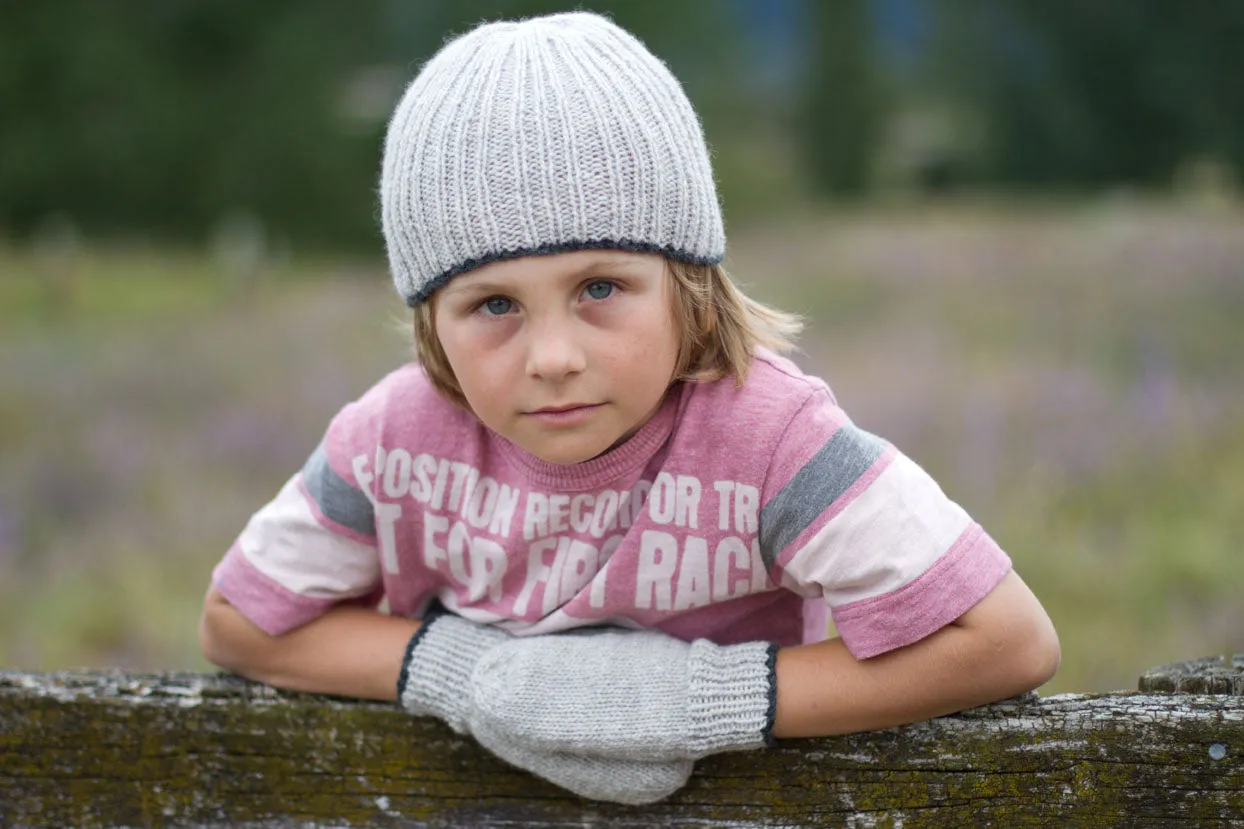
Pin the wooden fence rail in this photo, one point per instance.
(108, 749)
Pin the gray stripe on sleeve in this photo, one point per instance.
(337, 499)
(845, 457)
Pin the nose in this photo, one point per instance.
(554, 352)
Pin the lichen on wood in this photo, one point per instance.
(1211, 675)
(108, 749)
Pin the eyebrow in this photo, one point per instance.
(611, 261)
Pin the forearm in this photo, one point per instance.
(824, 690)
(999, 649)
(350, 651)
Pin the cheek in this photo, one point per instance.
(651, 352)
(645, 327)
(472, 346)
(662, 336)
(482, 382)
(475, 333)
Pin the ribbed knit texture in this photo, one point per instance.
(438, 665)
(543, 135)
(730, 691)
(637, 695)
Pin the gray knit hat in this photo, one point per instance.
(543, 135)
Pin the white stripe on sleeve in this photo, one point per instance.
(286, 543)
(884, 539)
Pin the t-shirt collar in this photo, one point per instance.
(606, 468)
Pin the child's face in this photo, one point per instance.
(565, 355)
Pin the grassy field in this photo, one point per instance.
(1070, 376)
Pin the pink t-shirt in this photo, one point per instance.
(733, 514)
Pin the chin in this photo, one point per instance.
(568, 454)
(566, 458)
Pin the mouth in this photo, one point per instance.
(566, 415)
(570, 407)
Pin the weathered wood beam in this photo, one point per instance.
(107, 749)
(1211, 675)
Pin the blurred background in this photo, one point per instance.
(1015, 228)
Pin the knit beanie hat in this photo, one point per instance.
(543, 135)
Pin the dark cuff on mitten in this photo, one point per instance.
(435, 610)
(439, 660)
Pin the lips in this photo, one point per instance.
(567, 408)
(568, 415)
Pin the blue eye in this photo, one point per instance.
(497, 306)
(600, 290)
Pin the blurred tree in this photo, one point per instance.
(844, 103)
(1112, 92)
(163, 117)
(159, 117)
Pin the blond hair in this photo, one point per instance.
(720, 327)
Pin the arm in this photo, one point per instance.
(351, 651)
(644, 694)
(1003, 646)
(358, 652)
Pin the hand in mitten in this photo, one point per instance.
(598, 778)
(632, 695)
(440, 659)
(435, 680)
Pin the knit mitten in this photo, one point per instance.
(598, 778)
(634, 695)
(435, 680)
(437, 669)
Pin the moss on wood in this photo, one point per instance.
(1211, 675)
(104, 749)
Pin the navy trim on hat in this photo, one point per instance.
(559, 247)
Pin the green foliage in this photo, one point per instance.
(164, 120)
(159, 118)
(843, 106)
(1142, 558)
(1116, 93)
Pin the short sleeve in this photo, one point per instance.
(849, 519)
(312, 546)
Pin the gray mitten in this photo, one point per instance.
(439, 661)
(435, 680)
(633, 695)
(598, 778)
